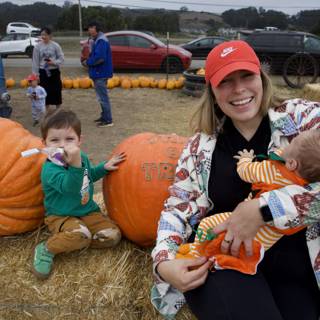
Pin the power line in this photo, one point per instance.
(209, 4)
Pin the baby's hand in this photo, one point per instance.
(245, 154)
(72, 155)
(111, 164)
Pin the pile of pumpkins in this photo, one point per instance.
(124, 82)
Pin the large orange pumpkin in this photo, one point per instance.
(134, 194)
(21, 197)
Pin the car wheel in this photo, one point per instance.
(173, 64)
(266, 63)
(299, 69)
(29, 52)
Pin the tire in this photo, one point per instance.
(29, 51)
(196, 86)
(174, 65)
(193, 93)
(300, 69)
(266, 63)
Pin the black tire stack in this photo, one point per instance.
(194, 84)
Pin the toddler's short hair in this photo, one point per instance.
(308, 157)
(59, 119)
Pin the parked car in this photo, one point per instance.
(294, 54)
(17, 43)
(21, 27)
(138, 50)
(202, 46)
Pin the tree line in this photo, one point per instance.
(160, 21)
(253, 18)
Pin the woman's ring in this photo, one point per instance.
(227, 241)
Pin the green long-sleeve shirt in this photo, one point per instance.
(68, 191)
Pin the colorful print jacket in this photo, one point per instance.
(291, 206)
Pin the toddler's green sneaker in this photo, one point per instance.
(42, 261)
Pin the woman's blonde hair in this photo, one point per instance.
(208, 116)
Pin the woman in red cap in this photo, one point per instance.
(238, 111)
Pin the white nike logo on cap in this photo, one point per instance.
(227, 51)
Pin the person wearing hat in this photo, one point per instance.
(239, 111)
(37, 95)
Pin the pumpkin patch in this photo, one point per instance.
(21, 196)
(134, 195)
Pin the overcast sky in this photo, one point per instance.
(288, 6)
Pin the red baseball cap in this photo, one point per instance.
(32, 77)
(228, 57)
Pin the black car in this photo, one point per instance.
(202, 46)
(294, 54)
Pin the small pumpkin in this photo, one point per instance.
(24, 83)
(75, 83)
(110, 83)
(145, 82)
(154, 83)
(126, 83)
(67, 83)
(116, 81)
(179, 83)
(162, 84)
(135, 83)
(170, 84)
(134, 195)
(85, 83)
(10, 83)
(21, 197)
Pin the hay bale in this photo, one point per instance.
(311, 91)
(90, 284)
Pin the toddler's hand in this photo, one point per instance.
(72, 155)
(245, 154)
(111, 164)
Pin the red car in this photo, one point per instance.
(138, 50)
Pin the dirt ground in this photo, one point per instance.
(110, 285)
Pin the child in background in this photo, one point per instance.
(72, 216)
(298, 163)
(37, 95)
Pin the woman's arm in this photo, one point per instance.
(36, 60)
(291, 206)
(174, 227)
(59, 56)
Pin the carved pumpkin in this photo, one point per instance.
(134, 194)
(21, 197)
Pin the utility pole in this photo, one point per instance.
(80, 19)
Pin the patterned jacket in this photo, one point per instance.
(188, 202)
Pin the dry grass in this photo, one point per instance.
(92, 284)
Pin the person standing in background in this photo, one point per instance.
(46, 61)
(99, 63)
